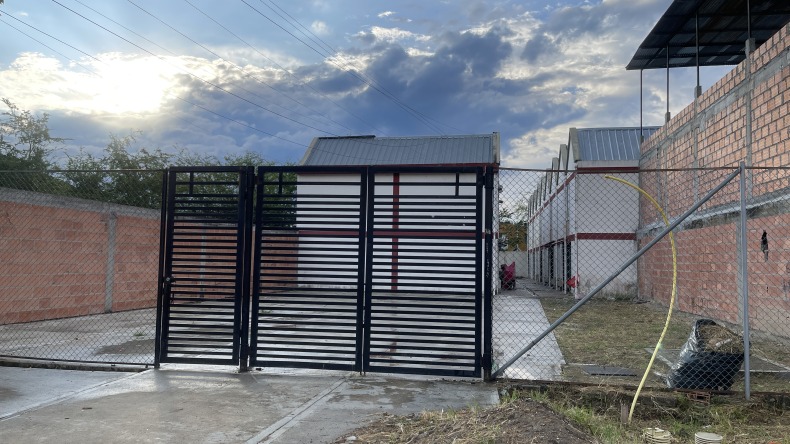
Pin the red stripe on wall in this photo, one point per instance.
(606, 236)
(353, 232)
(589, 236)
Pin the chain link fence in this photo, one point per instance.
(79, 254)
(79, 264)
(562, 233)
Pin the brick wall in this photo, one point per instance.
(743, 117)
(63, 257)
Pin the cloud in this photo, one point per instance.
(320, 28)
(381, 34)
(465, 68)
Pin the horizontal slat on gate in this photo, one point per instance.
(307, 251)
(203, 266)
(424, 275)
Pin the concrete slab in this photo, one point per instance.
(121, 337)
(23, 389)
(176, 405)
(517, 320)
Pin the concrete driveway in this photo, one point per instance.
(213, 404)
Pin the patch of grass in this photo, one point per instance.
(597, 411)
(617, 332)
(139, 334)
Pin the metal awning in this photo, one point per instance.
(720, 26)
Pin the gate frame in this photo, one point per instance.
(248, 274)
(256, 254)
(241, 301)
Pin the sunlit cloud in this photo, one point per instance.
(119, 84)
(320, 28)
(393, 34)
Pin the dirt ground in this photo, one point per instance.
(567, 413)
(517, 421)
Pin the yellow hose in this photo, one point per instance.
(674, 289)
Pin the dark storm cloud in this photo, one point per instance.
(484, 54)
(331, 80)
(434, 82)
(538, 46)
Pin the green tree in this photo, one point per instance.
(26, 145)
(25, 142)
(123, 174)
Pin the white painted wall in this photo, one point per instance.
(607, 206)
(600, 258)
(409, 261)
(334, 196)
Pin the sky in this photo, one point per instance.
(267, 76)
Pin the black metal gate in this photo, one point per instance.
(424, 271)
(359, 268)
(205, 267)
(309, 263)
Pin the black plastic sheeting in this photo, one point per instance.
(700, 367)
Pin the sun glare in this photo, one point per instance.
(135, 86)
(118, 85)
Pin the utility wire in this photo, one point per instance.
(337, 54)
(214, 85)
(288, 73)
(173, 95)
(241, 69)
(49, 47)
(54, 38)
(361, 77)
(301, 28)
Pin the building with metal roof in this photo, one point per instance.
(480, 149)
(607, 144)
(582, 227)
(709, 32)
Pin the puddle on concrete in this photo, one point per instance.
(133, 347)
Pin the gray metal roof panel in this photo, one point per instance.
(611, 144)
(724, 26)
(428, 150)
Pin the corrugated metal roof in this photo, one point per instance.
(722, 25)
(427, 150)
(609, 144)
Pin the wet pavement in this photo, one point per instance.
(213, 404)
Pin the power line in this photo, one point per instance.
(335, 52)
(288, 73)
(49, 47)
(361, 77)
(244, 99)
(171, 94)
(292, 20)
(242, 70)
(54, 38)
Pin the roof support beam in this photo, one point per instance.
(698, 88)
(641, 125)
(667, 116)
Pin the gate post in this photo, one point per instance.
(487, 272)
(247, 190)
(160, 280)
